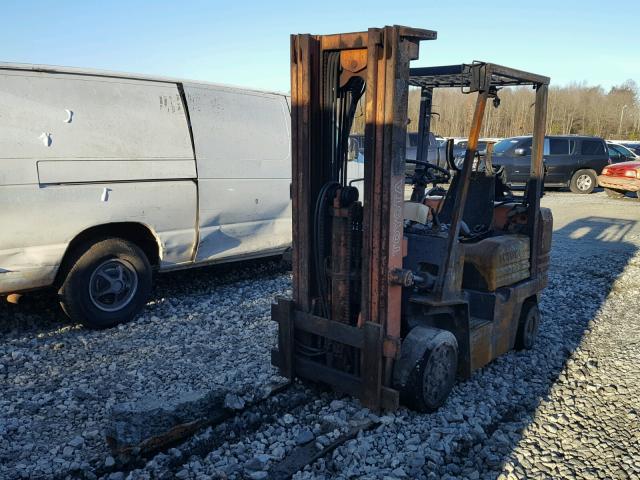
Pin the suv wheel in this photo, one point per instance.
(107, 283)
(583, 181)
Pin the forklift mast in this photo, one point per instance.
(348, 319)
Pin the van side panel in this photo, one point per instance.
(66, 141)
(242, 142)
(67, 117)
(39, 222)
(77, 171)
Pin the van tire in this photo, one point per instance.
(583, 181)
(107, 283)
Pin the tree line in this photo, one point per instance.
(573, 109)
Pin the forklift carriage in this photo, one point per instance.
(393, 299)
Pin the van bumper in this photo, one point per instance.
(627, 184)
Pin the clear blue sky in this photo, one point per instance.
(246, 42)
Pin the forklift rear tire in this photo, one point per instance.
(432, 379)
(528, 326)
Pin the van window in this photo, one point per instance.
(592, 147)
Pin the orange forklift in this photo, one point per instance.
(395, 298)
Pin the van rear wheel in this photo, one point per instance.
(108, 283)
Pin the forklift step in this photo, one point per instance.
(481, 342)
(477, 323)
(430, 301)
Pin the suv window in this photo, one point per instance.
(572, 146)
(623, 151)
(526, 145)
(592, 147)
(614, 154)
(556, 146)
(503, 145)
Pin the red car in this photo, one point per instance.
(620, 178)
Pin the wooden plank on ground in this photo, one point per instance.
(304, 455)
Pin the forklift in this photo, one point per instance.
(395, 298)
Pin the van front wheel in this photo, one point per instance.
(108, 283)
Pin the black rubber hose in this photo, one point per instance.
(318, 219)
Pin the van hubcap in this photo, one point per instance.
(113, 285)
(583, 182)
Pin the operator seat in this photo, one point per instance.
(478, 210)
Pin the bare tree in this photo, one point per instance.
(576, 108)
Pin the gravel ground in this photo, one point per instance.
(59, 381)
(570, 408)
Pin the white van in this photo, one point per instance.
(106, 177)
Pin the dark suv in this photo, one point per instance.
(570, 161)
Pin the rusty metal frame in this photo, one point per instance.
(465, 75)
(424, 122)
(388, 52)
(481, 77)
(536, 178)
(449, 278)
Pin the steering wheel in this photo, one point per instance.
(445, 175)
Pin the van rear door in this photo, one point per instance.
(243, 154)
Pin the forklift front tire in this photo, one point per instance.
(433, 377)
(528, 326)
